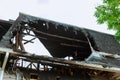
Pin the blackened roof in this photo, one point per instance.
(104, 42)
(100, 41)
(63, 40)
(4, 26)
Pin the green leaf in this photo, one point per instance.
(109, 12)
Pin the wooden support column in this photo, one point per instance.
(18, 74)
(38, 66)
(16, 40)
(45, 68)
(19, 42)
(3, 66)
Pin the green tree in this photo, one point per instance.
(109, 13)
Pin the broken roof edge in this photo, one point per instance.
(76, 64)
(6, 21)
(27, 18)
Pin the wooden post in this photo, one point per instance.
(38, 66)
(3, 66)
(19, 42)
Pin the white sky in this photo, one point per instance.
(75, 12)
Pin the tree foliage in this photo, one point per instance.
(109, 12)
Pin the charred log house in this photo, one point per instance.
(95, 55)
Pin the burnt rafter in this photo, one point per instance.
(54, 37)
(61, 40)
(60, 37)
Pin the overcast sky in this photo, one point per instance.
(75, 12)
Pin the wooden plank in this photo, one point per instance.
(80, 64)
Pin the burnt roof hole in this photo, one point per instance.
(25, 24)
(44, 24)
